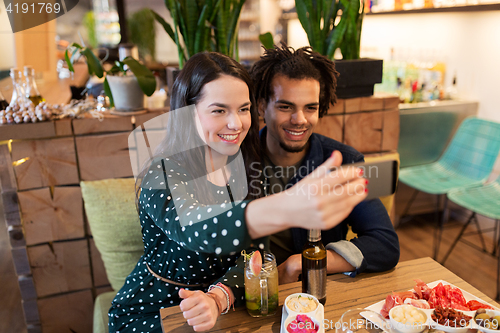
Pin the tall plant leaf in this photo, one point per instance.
(192, 16)
(301, 8)
(201, 28)
(144, 76)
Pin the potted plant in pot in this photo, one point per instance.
(357, 76)
(326, 34)
(202, 25)
(125, 92)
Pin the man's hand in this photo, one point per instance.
(290, 270)
(199, 309)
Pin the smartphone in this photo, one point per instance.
(382, 176)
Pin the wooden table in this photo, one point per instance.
(343, 293)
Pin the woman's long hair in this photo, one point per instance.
(199, 70)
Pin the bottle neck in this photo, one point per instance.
(314, 235)
(31, 88)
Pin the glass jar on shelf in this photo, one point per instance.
(18, 95)
(32, 92)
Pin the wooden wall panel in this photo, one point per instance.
(331, 126)
(363, 131)
(63, 127)
(143, 118)
(44, 163)
(390, 134)
(39, 130)
(49, 218)
(109, 124)
(338, 108)
(98, 269)
(104, 156)
(60, 267)
(67, 313)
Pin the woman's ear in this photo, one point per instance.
(261, 107)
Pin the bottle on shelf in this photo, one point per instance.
(314, 266)
(18, 96)
(3, 102)
(451, 91)
(32, 92)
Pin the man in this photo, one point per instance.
(293, 90)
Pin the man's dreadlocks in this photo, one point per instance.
(303, 63)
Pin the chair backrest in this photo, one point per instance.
(115, 227)
(473, 149)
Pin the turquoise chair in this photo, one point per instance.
(467, 161)
(483, 200)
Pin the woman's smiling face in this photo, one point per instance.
(224, 114)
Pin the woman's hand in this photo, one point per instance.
(290, 270)
(321, 200)
(327, 196)
(199, 309)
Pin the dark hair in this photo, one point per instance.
(303, 63)
(199, 70)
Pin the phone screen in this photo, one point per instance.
(382, 176)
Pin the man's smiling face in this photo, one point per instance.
(291, 114)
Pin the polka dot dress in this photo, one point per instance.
(184, 241)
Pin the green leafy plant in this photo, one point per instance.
(144, 76)
(142, 32)
(89, 24)
(325, 32)
(203, 25)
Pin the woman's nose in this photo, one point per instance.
(234, 122)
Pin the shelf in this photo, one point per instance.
(470, 8)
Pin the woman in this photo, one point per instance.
(193, 216)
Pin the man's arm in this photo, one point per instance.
(376, 246)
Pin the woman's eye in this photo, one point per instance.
(312, 109)
(284, 107)
(218, 111)
(245, 110)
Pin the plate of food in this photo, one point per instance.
(487, 321)
(302, 311)
(447, 307)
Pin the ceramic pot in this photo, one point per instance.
(127, 93)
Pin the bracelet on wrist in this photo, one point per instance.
(223, 289)
(217, 303)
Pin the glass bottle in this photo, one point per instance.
(261, 291)
(18, 96)
(32, 92)
(3, 102)
(314, 266)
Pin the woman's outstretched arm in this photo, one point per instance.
(320, 201)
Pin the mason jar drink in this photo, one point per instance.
(261, 290)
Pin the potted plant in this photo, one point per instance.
(202, 25)
(125, 92)
(326, 34)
